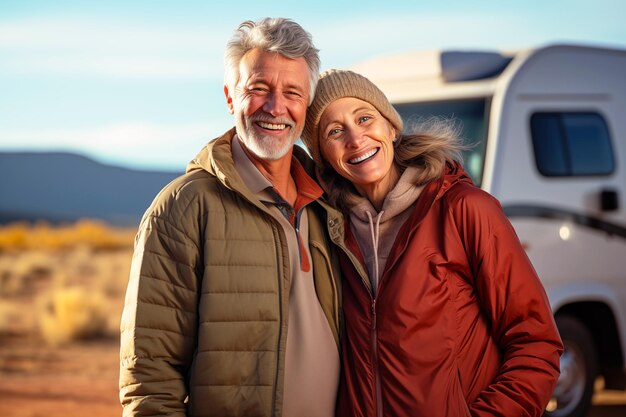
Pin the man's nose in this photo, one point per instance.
(275, 104)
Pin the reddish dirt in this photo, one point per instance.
(75, 380)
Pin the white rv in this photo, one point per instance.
(549, 126)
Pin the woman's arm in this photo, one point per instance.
(515, 302)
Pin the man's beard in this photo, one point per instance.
(267, 147)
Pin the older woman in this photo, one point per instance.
(444, 313)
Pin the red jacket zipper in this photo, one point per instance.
(377, 388)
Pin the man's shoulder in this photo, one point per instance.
(182, 192)
(190, 183)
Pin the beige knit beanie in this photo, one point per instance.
(335, 84)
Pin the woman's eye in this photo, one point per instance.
(364, 119)
(333, 132)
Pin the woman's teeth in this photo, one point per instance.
(363, 157)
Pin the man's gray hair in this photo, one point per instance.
(280, 35)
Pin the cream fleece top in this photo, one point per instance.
(376, 232)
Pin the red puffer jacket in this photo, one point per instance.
(460, 326)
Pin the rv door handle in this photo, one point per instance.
(609, 200)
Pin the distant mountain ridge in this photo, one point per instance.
(63, 187)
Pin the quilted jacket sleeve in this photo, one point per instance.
(515, 302)
(159, 321)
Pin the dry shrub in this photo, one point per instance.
(112, 271)
(93, 233)
(70, 314)
(14, 236)
(19, 271)
(7, 320)
(10, 283)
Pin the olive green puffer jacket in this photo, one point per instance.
(204, 327)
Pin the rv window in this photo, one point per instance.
(571, 144)
(469, 114)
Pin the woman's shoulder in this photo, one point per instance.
(469, 198)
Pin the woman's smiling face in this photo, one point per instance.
(357, 141)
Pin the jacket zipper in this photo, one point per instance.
(279, 259)
(374, 339)
(296, 227)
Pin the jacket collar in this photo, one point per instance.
(453, 174)
(216, 158)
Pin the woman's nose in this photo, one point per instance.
(354, 137)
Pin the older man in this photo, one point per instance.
(232, 307)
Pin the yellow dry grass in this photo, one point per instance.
(60, 284)
(72, 313)
(92, 233)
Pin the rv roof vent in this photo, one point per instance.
(465, 65)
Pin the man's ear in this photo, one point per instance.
(229, 100)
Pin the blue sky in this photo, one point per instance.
(139, 83)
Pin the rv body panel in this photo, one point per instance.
(557, 79)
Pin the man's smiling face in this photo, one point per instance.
(269, 103)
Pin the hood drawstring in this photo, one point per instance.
(375, 234)
(375, 231)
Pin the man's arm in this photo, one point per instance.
(159, 322)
